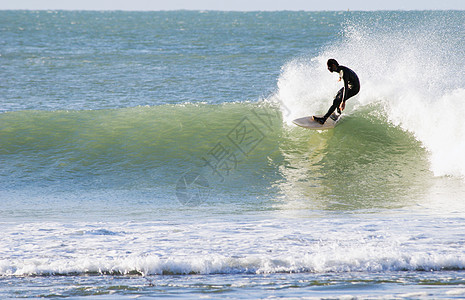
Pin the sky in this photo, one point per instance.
(236, 5)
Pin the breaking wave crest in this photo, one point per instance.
(410, 67)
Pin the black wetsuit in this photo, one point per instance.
(350, 89)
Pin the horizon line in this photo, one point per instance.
(220, 10)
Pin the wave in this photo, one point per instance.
(140, 141)
(411, 68)
(344, 260)
(168, 136)
(229, 246)
(141, 134)
(231, 149)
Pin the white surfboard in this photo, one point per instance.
(308, 122)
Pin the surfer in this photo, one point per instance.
(350, 89)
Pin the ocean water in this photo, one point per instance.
(152, 154)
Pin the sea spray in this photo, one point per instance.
(413, 69)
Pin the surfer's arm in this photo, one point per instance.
(343, 102)
(342, 105)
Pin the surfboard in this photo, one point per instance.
(308, 122)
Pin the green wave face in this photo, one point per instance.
(237, 147)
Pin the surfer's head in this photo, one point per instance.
(332, 65)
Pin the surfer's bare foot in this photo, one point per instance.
(319, 120)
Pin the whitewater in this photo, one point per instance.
(412, 76)
(153, 155)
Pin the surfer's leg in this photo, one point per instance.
(337, 101)
(350, 93)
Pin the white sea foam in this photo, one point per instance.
(456, 292)
(213, 264)
(414, 71)
(228, 247)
